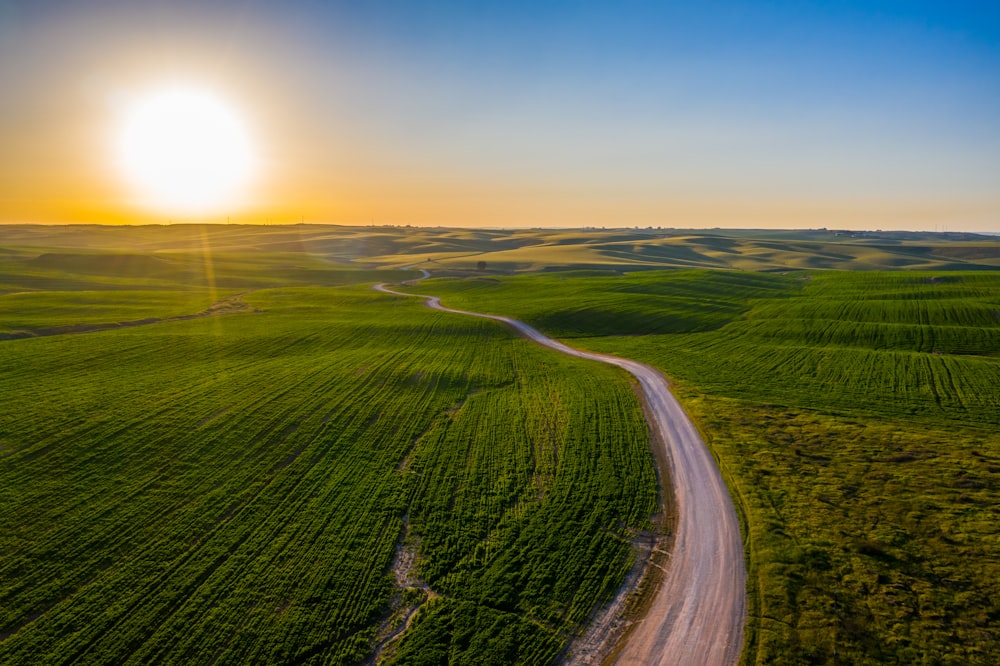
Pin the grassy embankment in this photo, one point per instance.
(856, 417)
(240, 488)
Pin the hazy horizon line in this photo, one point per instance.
(588, 227)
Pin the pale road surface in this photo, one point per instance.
(697, 615)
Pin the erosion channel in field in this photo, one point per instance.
(698, 613)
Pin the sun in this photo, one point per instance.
(185, 151)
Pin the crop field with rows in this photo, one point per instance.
(856, 418)
(220, 446)
(288, 484)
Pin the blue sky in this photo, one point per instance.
(853, 114)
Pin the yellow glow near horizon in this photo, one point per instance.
(185, 151)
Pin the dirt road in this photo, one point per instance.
(697, 615)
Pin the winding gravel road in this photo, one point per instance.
(698, 613)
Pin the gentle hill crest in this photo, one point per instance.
(511, 251)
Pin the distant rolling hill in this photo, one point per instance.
(154, 250)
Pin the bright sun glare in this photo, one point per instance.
(185, 151)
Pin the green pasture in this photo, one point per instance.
(243, 487)
(236, 489)
(856, 418)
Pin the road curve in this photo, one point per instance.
(698, 613)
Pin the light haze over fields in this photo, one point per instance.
(763, 114)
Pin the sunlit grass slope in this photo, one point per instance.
(553, 252)
(207, 269)
(856, 417)
(45, 290)
(234, 489)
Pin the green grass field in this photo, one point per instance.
(856, 417)
(240, 488)
(315, 473)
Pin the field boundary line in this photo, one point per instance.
(230, 305)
